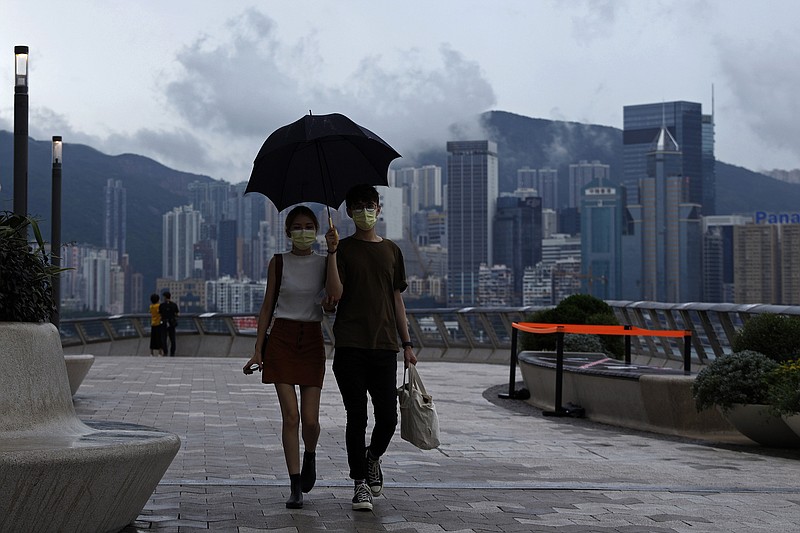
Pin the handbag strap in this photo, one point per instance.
(278, 277)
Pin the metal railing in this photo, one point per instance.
(472, 329)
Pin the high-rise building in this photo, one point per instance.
(430, 187)
(691, 131)
(756, 260)
(495, 286)
(518, 236)
(581, 174)
(718, 265)
(472, 190)
(669, 226)
(546, 185)
(601, 240)
(226, 249)
(180, 231)
(790, 258)
(526, 178)
(115, 217)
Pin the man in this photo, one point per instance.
(169, 317)
(371, 316)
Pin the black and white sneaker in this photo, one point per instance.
(362, 498)
(374, 475)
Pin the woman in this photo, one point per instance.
(155, 326)
(295, 352)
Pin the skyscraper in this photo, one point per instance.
(693, 132)
(718, 256)
(226, 249)
(583, 173)
(472, 190)
(180, 231)
(518, 236)
(756, 260)
(601, 240)
(115, 217)
(668, 225)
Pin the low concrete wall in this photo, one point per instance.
(648, 402)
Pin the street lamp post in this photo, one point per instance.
(55, 239)
(21, 130)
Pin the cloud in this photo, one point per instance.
(242, 87)
(760, 79)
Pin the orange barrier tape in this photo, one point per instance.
(541, 328)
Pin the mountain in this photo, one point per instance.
(537, 143)
(152, 189)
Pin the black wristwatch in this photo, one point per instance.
(408, 344)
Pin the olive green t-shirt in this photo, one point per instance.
(370, 273)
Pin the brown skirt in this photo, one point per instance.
(295, 354)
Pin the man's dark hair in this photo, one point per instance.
(362, 193)
(167, 295)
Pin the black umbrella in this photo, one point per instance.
(317, 159)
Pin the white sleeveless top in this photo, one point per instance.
(302, 288)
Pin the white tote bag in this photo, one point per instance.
(419, 423)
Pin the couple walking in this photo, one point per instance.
(364, 276)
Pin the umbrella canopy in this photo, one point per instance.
(317, 159)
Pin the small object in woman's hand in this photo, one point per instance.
(252, 368)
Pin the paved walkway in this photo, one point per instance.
(502, 466)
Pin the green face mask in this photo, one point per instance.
(365, 219)
(302, 239)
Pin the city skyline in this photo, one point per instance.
(161, 81)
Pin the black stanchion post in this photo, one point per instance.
(687, 353)
(512, 371)
(559, 370)
(627, 346)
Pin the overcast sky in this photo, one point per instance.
(198, 85)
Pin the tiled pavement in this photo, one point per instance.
(502, 466)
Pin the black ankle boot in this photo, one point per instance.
(295, 500)
(308, 474)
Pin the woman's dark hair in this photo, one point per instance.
(154, 298)
(297, 211)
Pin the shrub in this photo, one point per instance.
(776, 336)
(741, 377)
(785, 391)
(583, 343)
(576, 309)
(26, 290)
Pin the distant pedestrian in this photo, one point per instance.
(169, 316)
(156, 328)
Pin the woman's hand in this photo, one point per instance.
(329, 304)
(253, 364)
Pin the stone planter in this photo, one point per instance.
(759, 424)
(793, 421)
(59, 474)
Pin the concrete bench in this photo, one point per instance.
(637, 397)
(59, 474)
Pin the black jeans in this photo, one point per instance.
(359, 372)
(168, 332)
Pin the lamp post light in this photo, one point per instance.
(55, 239)
(21, 130)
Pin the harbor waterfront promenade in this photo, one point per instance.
(502, 466)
